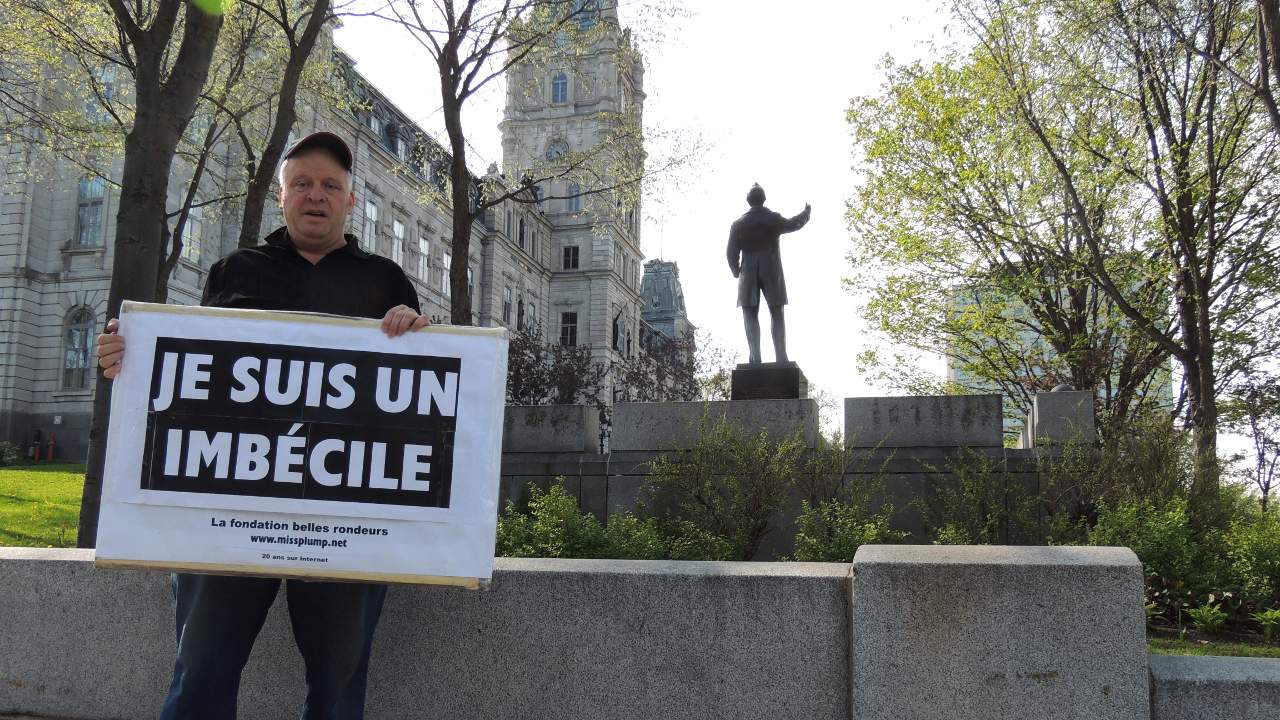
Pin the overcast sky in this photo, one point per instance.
(766, 85)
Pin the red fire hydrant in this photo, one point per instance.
(48, 455)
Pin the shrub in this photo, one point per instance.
(8, 453)
(974, 501)
(1152, 610)
(1162, 538)
(1253, 549)
(1269, 620)
(627, 536)
(1208, 617)
(1150, 459)
(833, 531)
(553, 527)
(728, 487)
(1146, 458)
(686, 541)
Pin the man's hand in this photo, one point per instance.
(110, 350)
(401, 319)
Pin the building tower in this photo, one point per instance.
(567, 107)
(664, 313)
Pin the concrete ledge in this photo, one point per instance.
(971, 633)
(550, 428)
(924, 421)
(669, 425)
(552, 638)
(1208, 688)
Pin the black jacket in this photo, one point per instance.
(273, 276)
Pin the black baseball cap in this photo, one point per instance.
(326, 141)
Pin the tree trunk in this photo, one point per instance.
(1202, 406)
(459, 298)
(255, 199)
(163, 111)
(1269, 57)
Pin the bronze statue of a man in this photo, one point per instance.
(754, 239)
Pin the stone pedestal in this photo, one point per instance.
(768, 381)
(664, 426)
(915, 421)
(1062, 417)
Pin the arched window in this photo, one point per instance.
(76, 343)
(556, 149)
(560, 88)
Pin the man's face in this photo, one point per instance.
(316, 197)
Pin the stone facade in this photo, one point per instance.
(57, 236)
(566, 108)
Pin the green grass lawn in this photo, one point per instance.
(1174, 646)
(40, 505)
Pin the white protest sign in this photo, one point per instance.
(303, 445)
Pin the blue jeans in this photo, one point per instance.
(218, 618)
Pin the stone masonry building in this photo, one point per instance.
(664, 313)
(557, 264)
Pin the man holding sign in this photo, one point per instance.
(310, 265)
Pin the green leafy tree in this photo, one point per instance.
(230, 74)
(963, 245)
(1196, 158)
(1257, 72)
(167, 46)
(1161, 177)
